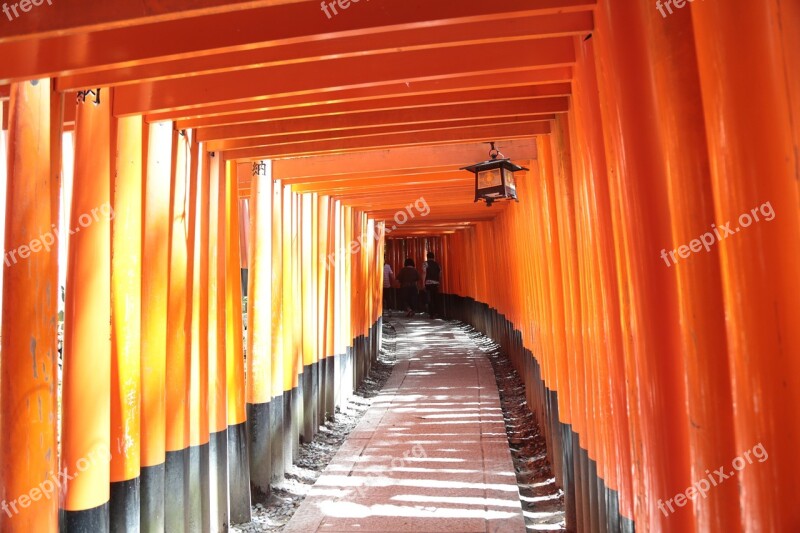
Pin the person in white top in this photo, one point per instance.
(388, 284)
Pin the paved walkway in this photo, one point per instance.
(430, 453)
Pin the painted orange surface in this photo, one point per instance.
(644, 130)
(198, 386)
(28, 368)
(126, 299)
(217, 361)
(85, 440)
(155, 293)
(183, 194)
(233, 304)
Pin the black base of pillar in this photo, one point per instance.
(198, 516)
(151, 515)
(288, 403)
(569, 477)
(276, 432)
(124, 506)
(612, 510)
(336, 371)
(218, 480)
(297, 415)
(175, 489)
(328, 376)
(258, 426)
(594, 495)
(93, 520)
(308, 427)
(238, 474)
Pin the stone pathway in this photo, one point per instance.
(431, 452)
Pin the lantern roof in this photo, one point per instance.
(494, 163)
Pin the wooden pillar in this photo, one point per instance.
(126, 331)
(746, 81)
(336, 268)
(296, 366)
(287, 315)
(198, 511)
(348, 327)
(179, 321)
(259, 330)
(330, 326)
(701, 306)
(276, 420)
(29, 357)
(217, 379)
(155, 281)
(238, 465)
(307, 378)
(324, 224)
(595, 191)
(648, 299)
(317, 227)
(86, 386)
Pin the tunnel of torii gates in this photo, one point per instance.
(154, 150)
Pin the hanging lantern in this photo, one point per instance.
(494, 178)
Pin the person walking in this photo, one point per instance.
(409, 278)
(431, 279)
(388, 284)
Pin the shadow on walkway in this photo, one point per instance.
(431, 452)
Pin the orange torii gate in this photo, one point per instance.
(652, 358)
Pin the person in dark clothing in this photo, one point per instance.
(408, 278)
(432, 276)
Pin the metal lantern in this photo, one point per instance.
(494, 178)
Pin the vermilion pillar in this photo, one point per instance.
(746, 82)
(296, 317)
(594, 179)
(238, 467)
(345, 264)
(155, 278)
(556, 293)
(276, 419)
(198, 511)
(259, 331)
(308, 379)
(181, 258)
(28, 358)
(126, 332)
(319, 334)
(702, 315)
(572, 300)
(217, 379)
(327, 237)
(287, 316)
(648, 295)
(86, 396)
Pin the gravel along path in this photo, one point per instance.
(315, 455)
(542, 502)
